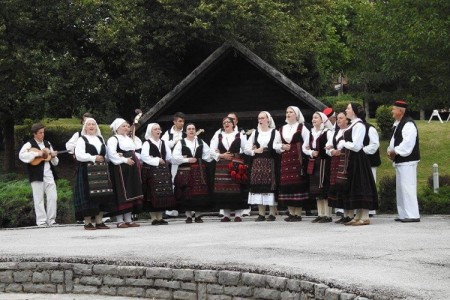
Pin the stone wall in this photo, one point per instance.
(157, 282)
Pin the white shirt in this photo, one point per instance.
(177, 135)
(227, 140)
(336, 138)
(28, 156)
(70, 145)
(125, 143)
(177, 156)
(405, 148)
(80, 148)
(315, 135)
(154, 160)
(263, 140)
(374, 141)
(358, 133)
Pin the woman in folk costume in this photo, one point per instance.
(263, 176)
(230, 174)
(93, 194)
(156, 176)
(293, 189)
(191, 188)
(125, 173)
(358, 189)
(334, 198)
(319, 166)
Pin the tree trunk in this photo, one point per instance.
(9, 159)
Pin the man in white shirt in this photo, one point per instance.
(171, 138)
(40, 158)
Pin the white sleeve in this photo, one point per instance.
(70, 145)
(409, 134)
(249, 145)
(206, 154)
(114, 157)
(168, 157)
(358, 133)
(55, 160)
(214, 145)
(277, 142)
(177, 156)
(80, 152)
(165, 138)
(243, 142)
(25, 155)
(374, 141)
(306, 136)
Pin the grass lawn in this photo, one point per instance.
(434, 139)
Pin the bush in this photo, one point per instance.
(17, 208)
(384, 121)
(435, 203)
(387, 195)
(444, 180)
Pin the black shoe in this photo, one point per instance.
(89, 227)
(410, 220)
(188, 220)
(340, 221)
(371, 215)
(290, 218)
(163, 222)
(155, 222)
(316, 220)
(345, 220)
(339, 214)
(271, 218)
(325, 220)
(260, 218)
(198, 220)
(398, 219)
(297, 218)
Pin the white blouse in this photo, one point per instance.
(227, 140)
(154, 160)
(125, 143)
(263, 140)
(80, 148)
(288, 132)
(177, 156)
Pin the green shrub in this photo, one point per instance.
(387, 195)
(435, 203)
(384, 120)
(444, 180)
(17, 207)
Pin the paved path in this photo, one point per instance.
(410, 260)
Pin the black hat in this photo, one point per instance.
(401, 103)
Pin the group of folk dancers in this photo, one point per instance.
(328, 163)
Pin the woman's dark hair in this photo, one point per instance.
(358, 109)
(229, 119)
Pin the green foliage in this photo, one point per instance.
(386, 195)
(444, 180)
(384, 120)
(435, 203)
(17, 208)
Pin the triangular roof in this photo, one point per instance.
(227, 49)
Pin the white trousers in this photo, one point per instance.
(406, 186)
(41, 188)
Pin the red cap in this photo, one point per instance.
(329, 112)
(401, 103)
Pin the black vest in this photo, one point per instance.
(374, 159)
(234, 147)
(154, 151)
(320, 144)
(398, 138)
(269, 145)
(186, 152)
(183, 135)
(36, 173)
(90, 149)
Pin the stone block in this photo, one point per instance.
(158, 294)
(60, 289)
(91, 280)
(66, 266)
(40, 277)
(84, 289)
(253, 279)
(183, 295)
(307, 286)
(229, 277)
(209, 276)
(201, 291)
(26, 266)
(82, 269)
(270, 294)
(347, 296)
(293, 285)
(57, 277)
(219, 297)
(332, 294)
(47, 266)
(13, 288)
(6, 277)
(241, 291)
(108, 290)
(22, 276)
(110, 280)
(190, 286)
(8, 265)
(319, 291)
(214, 289)
(39, 288)
(139, 282)
(104, 270)
(131, 291)
(171, 284)
(2, 287)
(286, 295)
(131, 271)
(68, 280)
(276, 282)
(163, 273)
(183, 274)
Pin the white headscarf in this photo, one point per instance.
(116, 124)
(298, 113)
(148, 132)
(271, 121)
(97, 131)
(325, 122)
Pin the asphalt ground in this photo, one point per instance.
(386, 258)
